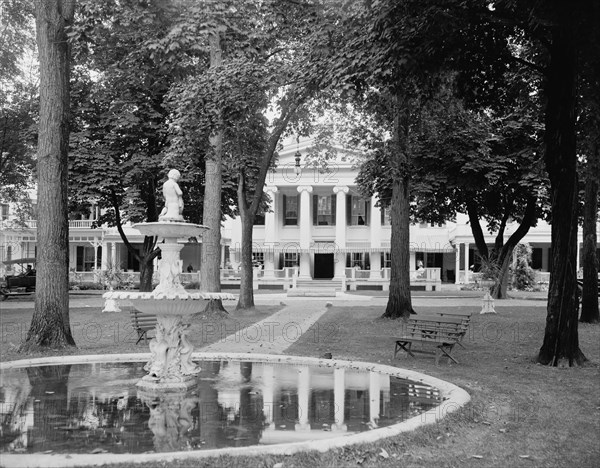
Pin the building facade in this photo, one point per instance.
(319, 227)
(320, 224)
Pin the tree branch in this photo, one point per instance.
(476, 229)
(115, 202)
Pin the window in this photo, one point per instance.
(259, 219)
(85, 258)
(358, 259)
(227, 254)
(3, 212)
(536, 258)
(385, 216)
(419, 260)
(258, 258)
(358, 211)
(428, 224)
(324, 210)
(290, 259)
(290, 210)
(386, 260)
(435, 260)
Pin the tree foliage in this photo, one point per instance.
(261, 65)
(18, 100)
(121, 119)
(386, 63)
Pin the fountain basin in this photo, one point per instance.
(247, 386)
(170, 229)
(168, 303)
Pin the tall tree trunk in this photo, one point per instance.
(149, 252)
(248, 210)
(246, 298)
(50, 325)
(505, 256)
(210, 267)
(561, 341)
(589, 302)
(399, 303)
(476, 230)
(146, 260)
(500, 288)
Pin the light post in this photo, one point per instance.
(297, 168)
(297, 156)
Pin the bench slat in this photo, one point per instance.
(142, 323)
(444, 331)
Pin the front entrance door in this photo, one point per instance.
(324, 266)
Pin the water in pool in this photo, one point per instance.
(97, 408)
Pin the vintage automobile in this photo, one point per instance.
(21, 283)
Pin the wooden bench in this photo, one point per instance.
(464, 315)
(441, 332)
(142, 323)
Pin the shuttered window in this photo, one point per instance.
(385, 216)
(359, 211)
(324, 210)
(290, 210)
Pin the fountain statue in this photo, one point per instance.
(170, 366)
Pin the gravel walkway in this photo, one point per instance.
(274, 334)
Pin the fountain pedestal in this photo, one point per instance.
(171, 363)
(170, 366)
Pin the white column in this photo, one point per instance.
(270, 233)
(268, 391)
(96, 243)
(467, 263)
(305, 230)
(303, 398)
(578, 254)
(104, 259)
(374, 397)
(456, 263)
(375, 233)
(72, 255)
(375, 266)
(113, 252)
(340, 230)
(339, 391)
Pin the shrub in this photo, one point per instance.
(523, 276)
(91, 286)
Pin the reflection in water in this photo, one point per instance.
(97, 407)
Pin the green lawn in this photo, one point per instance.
(521, 414)
(109, 333)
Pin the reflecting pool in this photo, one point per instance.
(97, 408)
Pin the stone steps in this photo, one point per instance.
(304, 292)
(315, 288)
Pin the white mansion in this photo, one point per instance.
(319, 228)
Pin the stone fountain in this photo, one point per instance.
(170, 366)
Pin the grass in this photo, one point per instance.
(522, 414)
(95, 332)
